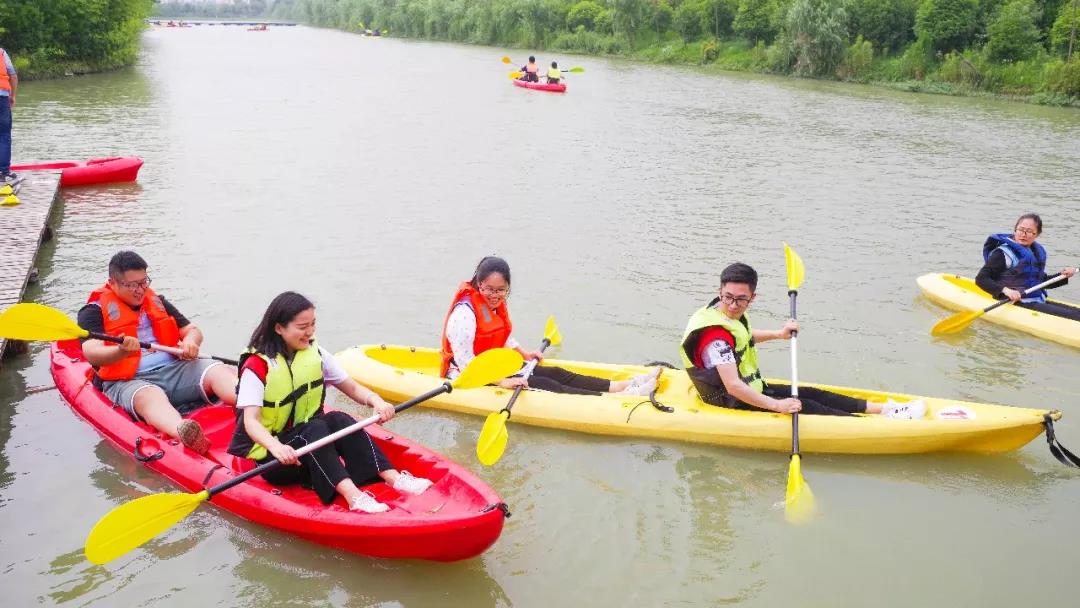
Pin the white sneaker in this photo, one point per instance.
(366, 502)
(408, 484)
(911, 410)
(652, 374)
(640, 388)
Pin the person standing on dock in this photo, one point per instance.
(9, 81)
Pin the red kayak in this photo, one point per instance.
(456, 518)
(94, 171)
(539, 86)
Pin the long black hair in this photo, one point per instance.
(489, 266)
(282, 310)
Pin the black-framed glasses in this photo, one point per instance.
(491, 291)
(737, 300)
(1027, 231)
(132, 285)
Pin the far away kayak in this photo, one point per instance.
(539, 86)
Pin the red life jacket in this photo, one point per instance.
(5, 79)
(492, 326)
(121, 320)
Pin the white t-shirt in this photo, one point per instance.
(461, 333)
(250, 393)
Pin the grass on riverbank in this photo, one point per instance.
(1044, 80)
(43, 67)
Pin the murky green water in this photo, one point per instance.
(372, 174)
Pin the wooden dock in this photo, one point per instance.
(24, 227)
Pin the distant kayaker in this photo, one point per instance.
(1015, 262)
(478, 320)
(149, 384)
(719, 352)
(530, 72)
(283, 378)
(554, 74)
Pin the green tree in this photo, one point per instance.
(1013, 33)
(687, 19)
(815, 37)
(1063, 33)
(584, 13)
(756, 20)
(662, 16)
(947, 24)
(887, 23)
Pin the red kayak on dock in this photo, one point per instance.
(94, 171)
(539, 86)
(456, 518)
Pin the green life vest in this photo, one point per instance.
(294, 393)
(708, 382)
(554, 73)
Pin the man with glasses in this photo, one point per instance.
(147, 384)
(719, 351)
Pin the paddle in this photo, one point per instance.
(961, 320)
(40, 323)
(134, 523)
(799, 500)
(493, 437)
(573, 70)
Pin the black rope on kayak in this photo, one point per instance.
(1059, 451)
(210, 473)
(667, 409)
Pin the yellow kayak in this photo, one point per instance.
(962, 294)
(398, 372)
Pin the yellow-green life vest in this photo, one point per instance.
(555, 73)
(745, 353)
(294, 391)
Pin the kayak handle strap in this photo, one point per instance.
(1059, 451)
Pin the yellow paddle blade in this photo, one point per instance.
(799, 501)
(6, 189)
(493, 437)
(506, 59)
(575, 70)
(795, 269)
(37, 322)
(515, 75)
(488, 367)
(10, 201)
(551, 332)
(133, 523)
(955, 323)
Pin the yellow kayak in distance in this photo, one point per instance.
(399, 372)
(962, 294)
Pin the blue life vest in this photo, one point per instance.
(1025, 267)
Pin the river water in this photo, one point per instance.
(371, 175)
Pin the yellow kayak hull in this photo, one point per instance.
(398, 373)
(962, 294)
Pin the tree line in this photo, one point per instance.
(48, 36)
(1006, 46)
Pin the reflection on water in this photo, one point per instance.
(373, 188)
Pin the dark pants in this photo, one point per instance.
(553, 81)
(559, 380)
(322, 469)
(530, 77)
(814, 401)
(1052, 308)
(5, 134)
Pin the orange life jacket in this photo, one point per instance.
(5, 80)
(492, 327)
(532, 68)
(121, 320)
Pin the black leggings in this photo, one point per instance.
(814, 401)
(322, 470)
(559, 380)
(1053, 308)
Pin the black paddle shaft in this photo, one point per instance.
(1051, 280)
(446, 387)
(148, 346)
(792, 293)
(517, 390)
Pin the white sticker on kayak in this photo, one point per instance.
(955, 412)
